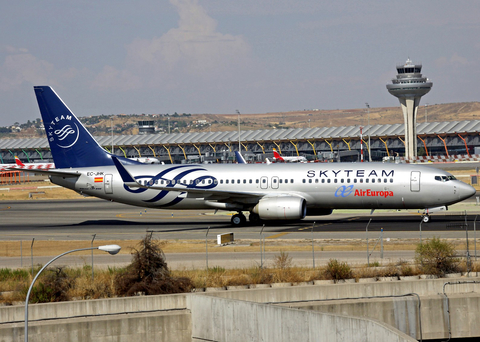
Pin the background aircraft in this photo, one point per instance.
(30, 166)
(279, 158)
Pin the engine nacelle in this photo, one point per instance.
(281, 208)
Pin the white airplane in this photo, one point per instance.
(279, 158)
(146, 160)
(267, 191)
(30, 166)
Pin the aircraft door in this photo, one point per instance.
(264, 182)
(275, 182)
(108, 184)
(415, 181)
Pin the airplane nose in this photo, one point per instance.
(466, 191)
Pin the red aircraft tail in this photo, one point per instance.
(19, 162)
(277, 156)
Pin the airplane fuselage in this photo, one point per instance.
(323, 186)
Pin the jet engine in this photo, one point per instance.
(281, 208)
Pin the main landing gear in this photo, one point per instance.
(239, 220)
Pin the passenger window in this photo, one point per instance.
(341, 180)
(274, 181)
(385, 180)
(256, 181)
(348, 180)
(291, 181)
(303, 180)
(323, 180)
(373, 180)
(391, 180)
(310, 181)
(238, 181)
(264, 181)
(221, 181)
(280, 181)
(335, 180)
(316, 180)
(361, 180)
(328, 180)
(226, 181)
(250, 181)
(355, 180)
(366, 180)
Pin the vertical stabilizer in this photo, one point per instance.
(70, 142)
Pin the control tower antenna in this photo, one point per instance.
(409, 87)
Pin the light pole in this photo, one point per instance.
(112, 249)
(111, 124)
(368, 124)
(239, 146)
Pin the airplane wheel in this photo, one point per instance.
(238, 220)
(426, 219)
(254, 218)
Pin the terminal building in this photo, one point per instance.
(445, 141)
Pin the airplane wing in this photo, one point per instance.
(49, 172)
(209, 194)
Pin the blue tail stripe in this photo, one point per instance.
(71, 144)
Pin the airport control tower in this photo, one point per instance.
(409, 87)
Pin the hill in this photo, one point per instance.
(127, 124)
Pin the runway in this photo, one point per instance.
(80, 219)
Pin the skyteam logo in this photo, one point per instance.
(344, 191)
(174, 178)
(63, 131)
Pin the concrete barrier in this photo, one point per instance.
(219, 319)
(253, 307)
(144, 327)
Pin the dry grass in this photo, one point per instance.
(52, 248)
(21, 192)
(14, 284)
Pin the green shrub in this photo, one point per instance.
(148, 273)
(52, 286)
(436, 257)
(337, 270)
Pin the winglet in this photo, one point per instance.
(126, 176)
(240, 158)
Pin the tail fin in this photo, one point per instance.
(277, 156)
(240, 158)
(19, 162)
(70, 142)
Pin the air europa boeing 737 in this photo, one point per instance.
(267, 191)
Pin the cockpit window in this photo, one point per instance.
(444, 178)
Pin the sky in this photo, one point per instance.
(217, 56)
